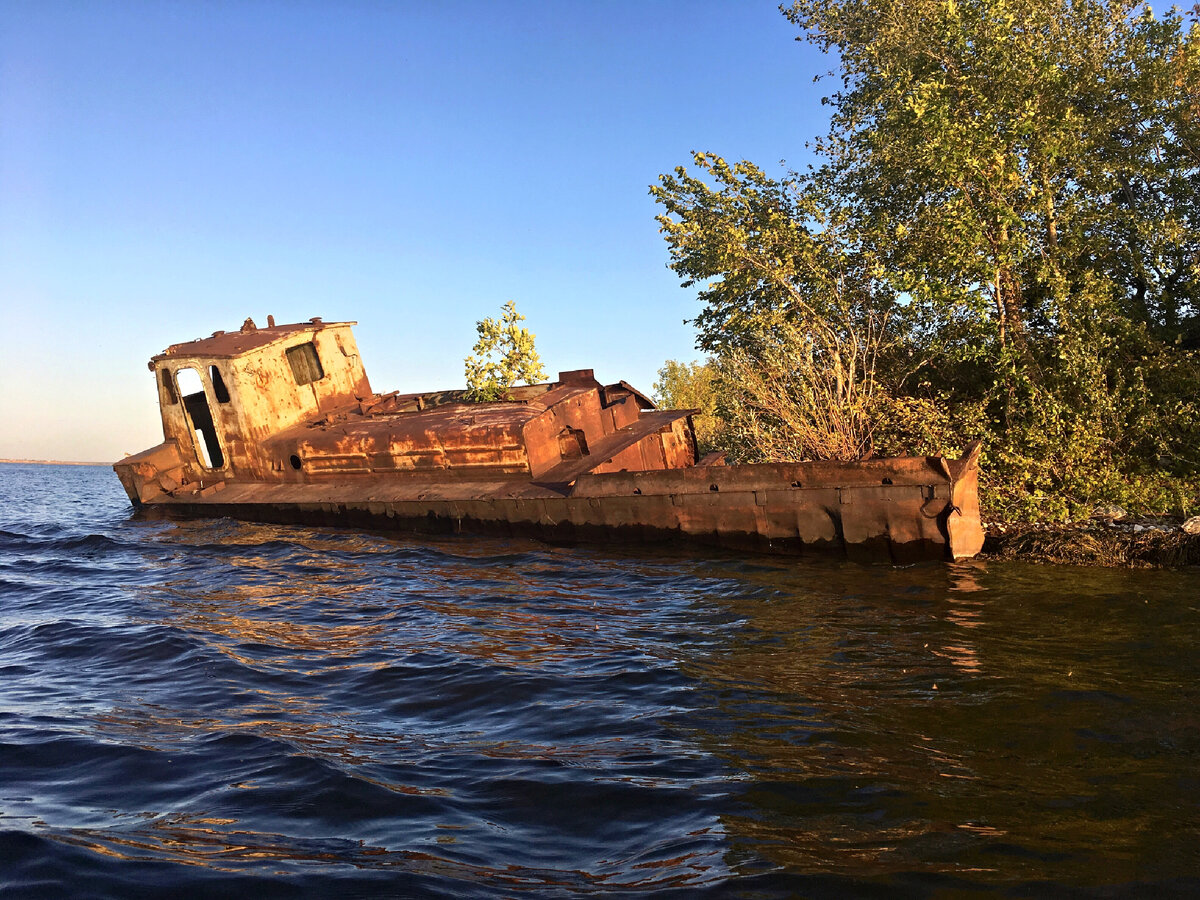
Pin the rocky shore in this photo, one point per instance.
(1142, 543)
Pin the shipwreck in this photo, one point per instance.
(280, 424)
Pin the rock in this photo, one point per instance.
(1138, 528)
(1108, 511)
(1192, 525)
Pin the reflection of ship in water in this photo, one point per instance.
(280, 424)
(848, 770)
(421, 711)
(812, 791)
(927, 728)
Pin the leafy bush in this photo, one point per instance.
(503, 355)
(691, 386)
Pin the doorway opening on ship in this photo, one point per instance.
(199, 413)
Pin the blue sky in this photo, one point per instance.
(169, 168)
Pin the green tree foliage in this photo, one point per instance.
(794, 311)
(503, 355)
(692, 386)
(1006, 223)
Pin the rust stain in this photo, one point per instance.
(281, 424)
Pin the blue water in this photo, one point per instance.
(212, 708)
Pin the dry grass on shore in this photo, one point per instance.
(1094, 544)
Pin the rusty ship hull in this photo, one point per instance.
(284, 428)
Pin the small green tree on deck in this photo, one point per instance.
(503, 356)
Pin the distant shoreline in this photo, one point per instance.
(53, 462)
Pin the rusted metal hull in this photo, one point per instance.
(899, 510)
(280, 424)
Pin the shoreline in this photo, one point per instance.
(51, 462)
(1155, 543)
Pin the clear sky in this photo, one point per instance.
(169, 168)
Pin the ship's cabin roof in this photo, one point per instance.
(229, 344)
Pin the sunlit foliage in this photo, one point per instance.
(503, 355)
(1002, 241)
(690, 386)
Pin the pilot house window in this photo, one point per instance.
(168, 386)
(219, 390)
(306, 365)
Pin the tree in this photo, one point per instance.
(995, 151)
(794, 311)
(1005, 218)
(1023, 169)
(503, 355)
(692, 386)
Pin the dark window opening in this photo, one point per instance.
(204, 430)
(168, 386)
(572, 444)
(306, 365)
(295, 461)
(219, 390)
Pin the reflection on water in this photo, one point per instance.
(214, 707)
(1002, 725)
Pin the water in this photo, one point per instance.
(220, 709)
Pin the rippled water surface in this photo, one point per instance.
(218, 709)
